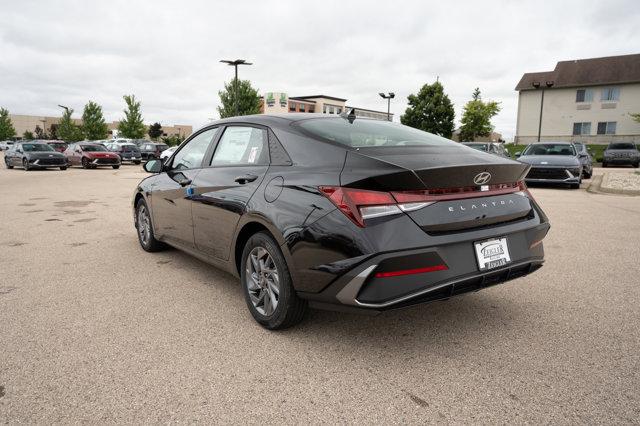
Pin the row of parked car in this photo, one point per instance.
(564, 162)
(40, 154)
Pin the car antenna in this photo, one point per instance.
(350, 115)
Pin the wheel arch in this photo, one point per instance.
(250, 226)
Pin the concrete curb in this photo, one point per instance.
(596, 188)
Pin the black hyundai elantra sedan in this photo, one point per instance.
(340, 212)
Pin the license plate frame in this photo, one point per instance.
(492, 253)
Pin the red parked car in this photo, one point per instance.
(58, 146)
(91, 155)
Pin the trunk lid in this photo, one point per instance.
(468, 188)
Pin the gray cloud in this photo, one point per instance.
(167, 53)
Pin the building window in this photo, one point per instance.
(607, 128)
(610, 94)
(312, 109)
(581, 129)
(292, 107)
(584, 95)
(301, 106)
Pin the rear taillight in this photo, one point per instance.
(361, 204)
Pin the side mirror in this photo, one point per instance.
(517, 154)
(153, 166)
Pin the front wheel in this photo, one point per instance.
(116, 167)
(136, 162)
(146, 236)
(636, 165)
(6, 163)
(604, 164)
(63, 168)
(25, 164)
(267, 284)
(85, 163)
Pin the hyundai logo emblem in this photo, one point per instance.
(482, 178)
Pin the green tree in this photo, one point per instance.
(430, 110)
(7, 131)
(173, 140)
(248, 99)
(93, 125)
(636, 117)
(476, 117)
(132, 126)
(155, 131)
(68, 131)
(27, 135)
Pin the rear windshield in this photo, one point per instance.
(370, 133)
(162, 147)
(129, 148)
(36, 147)
(622, 146)
(93, 148)
(549, 149)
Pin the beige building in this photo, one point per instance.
(277, 103)
(23, 123)
(493, 137)
(585, 100)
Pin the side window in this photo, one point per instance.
(192, 153)
(241, 146)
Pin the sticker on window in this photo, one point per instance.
(253, 154)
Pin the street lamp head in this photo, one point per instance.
(549, 83)
(236, 62)
(536, 84)
(392, 95)
(382, 95)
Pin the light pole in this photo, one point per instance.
(536, 85)
(235, 84)
(388, 97)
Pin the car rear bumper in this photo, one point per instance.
(362, 289)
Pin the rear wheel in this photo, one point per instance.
(604, 164)
(136, 162)
(146, 237)
(63, 168)
(267, 284)
(116, 166)
(636, 165)
(575, 186)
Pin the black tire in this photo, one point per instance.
(575, 186)
(25, 164)
(85, 163)
(146, 236)
(116, 167)
(136, 162)
(604, 164)
(6, 163)
(289, 309)
(636, 165)
(63, 168)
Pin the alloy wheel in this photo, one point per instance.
(262, 281)
(144, 225)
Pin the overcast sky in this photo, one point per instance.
(167, 53)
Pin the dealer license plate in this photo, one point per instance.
(492, 253)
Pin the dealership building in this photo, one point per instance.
(584, 100)
(279, 103)
(23, 123)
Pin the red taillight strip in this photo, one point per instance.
(434, 268)
(444, 194)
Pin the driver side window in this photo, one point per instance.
(191, 155)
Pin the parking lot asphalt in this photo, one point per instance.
(95, 330)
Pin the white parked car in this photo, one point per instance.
(5, 145)
(167, 153)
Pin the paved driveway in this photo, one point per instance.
(93, 329)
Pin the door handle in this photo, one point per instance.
(245, 178)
